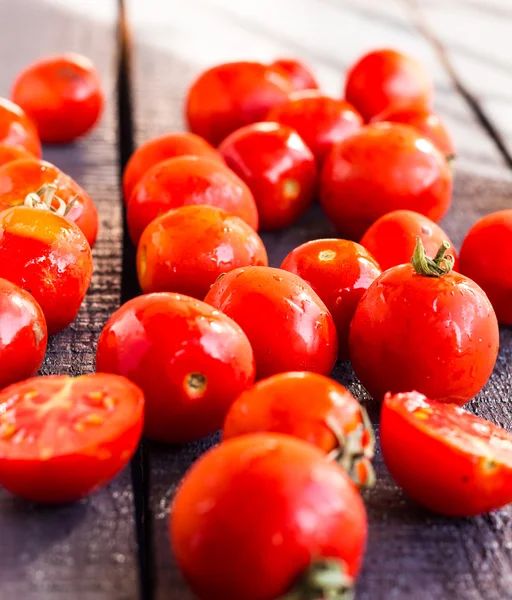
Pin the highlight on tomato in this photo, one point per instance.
(17, 129)
(299, 74)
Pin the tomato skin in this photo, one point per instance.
(392, 238)
(383, 78)
(62, 94)
(320, 121)
(381, 168)
(190, 361)
(184, 181)
(486, 257)
(10, 153)
(21, 177)
(49, 257)
(278, 167)
(237, 93)
(299, 74)
(261, 488)
(435, 335)
(17, 129)
(162, 148)
(62, 438)
(339, 271)
(445, 458)
(289, 327)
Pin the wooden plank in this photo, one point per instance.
(84, 551)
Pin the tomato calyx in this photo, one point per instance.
(438, 266)
(450, 159)
(45, 199)
(324, 579)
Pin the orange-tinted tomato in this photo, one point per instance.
(299, 74)
(10, 153)
(16, 129)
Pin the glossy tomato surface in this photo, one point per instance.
(381, 168)
(447, 459)
(187, 180)
(62, 94)
(17, 129)
(49, 257)
(278, 167)
(9, 153)
(339, 271)
(190, 361)
(257, 512)
(62, 438)
(289, 327)
(300, 75)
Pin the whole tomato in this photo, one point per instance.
(10, 153)
(161, 148)
(313, 408)
(16, 129)
(289, 327)
(339, 271)
(231, 95)
(299, 74)
(220, 241)
(392, 238)
(486, 257)
(49, 257)
(320, 121)
(190, 361)
(424, 327)
(22, 177)
(187, 180)
(384, 78)
(278, 167)
(62, 94)
(381, 168)
(445, 458)
(23, 334)
(263, 515)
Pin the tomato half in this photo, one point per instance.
(10, 153)
(299, 74)
(16, 129)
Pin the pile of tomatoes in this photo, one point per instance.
(221, 340)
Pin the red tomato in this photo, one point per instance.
(486, 257)
(310, 407)
(22, 177)
(383, 78)
(445, 458)
(278, 167)
(62, 94)
(190, 361)
(49, 257)
(320, 121)
(298, 73)
(162, 148)
(221, 242)
(231, 95)
(383, 167)
(10, 153)
(23, 334)
(261, 514)
(63, 438)
(16, 129)
(392, 238)
(187, 180)
(340, 272)
(434, 333)
(289, 327)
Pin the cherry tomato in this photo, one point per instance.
(383, 167)
(49, 257)
(445, 458)
(289, 327)
(187, 180)
(299, 74)
(265, 514)
(23, 334)
(162, 148)
(10, 153)
(229, 96)
(62, 438)
(340, 272)
(486, 257)
(421, 327)
(383, 78)
(278, 167)
(16, 129)
(313, 408)
(190, 361)
(221, 242)
(22, 177)
(392, 238)
(320, 121)
(62, 94)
